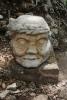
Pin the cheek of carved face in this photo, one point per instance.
(41, 46)
(19, 46)
(44, 48)
(31, 53)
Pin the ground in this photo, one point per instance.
(62, 63)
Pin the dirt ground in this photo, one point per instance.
(62, 63)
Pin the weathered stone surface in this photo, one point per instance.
(29, 24)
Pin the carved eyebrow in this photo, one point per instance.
(42, 38)
(21, 38)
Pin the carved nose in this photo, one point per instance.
(32, 49)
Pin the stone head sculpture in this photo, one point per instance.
(29, 40)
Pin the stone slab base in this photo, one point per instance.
(47, 73)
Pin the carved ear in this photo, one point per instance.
(10, 26)
(11, 21)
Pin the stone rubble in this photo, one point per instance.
(52, 92)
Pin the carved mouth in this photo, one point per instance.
(30, 58)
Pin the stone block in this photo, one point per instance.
(50, 72)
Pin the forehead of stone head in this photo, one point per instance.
(28, 24)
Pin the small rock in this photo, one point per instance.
(41, 97)
(1, 17)
(3, 85)
(12, 86)
(11, 97)
(32, 94)
(3, 94)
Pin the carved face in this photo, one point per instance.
(31, 50)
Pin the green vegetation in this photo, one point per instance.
(65, 2)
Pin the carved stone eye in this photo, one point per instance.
(41, 41)
(19, 46)
(21, 41)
